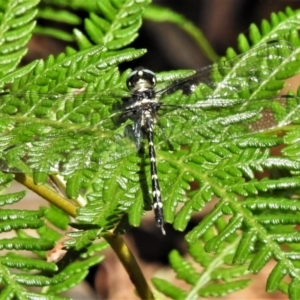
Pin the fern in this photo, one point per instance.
(113, 24)
(271, 217)
(266, 219)
(17, 23)
(62, 16)
(59, 108)
(218, 277)
(91, 69)
(15, 285)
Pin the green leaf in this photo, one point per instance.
(168, 289)
(17, 22)
(115, 26)
(60, 117)
(216, 278)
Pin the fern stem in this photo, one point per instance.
(47, 194)
(116, 242)
(217, 262)
(130, 265)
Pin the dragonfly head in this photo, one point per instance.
(141, 79)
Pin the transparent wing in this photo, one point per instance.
(187, 125)
(38, 147)
(60, 132)
(235, 95)
(231, 78)
(66, 132)
(78, 106)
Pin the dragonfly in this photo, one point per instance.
(64, 133)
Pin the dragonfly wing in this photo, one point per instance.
(238, 91)
(70, 134)
(191, 124)
(236, 77)
(60, 150)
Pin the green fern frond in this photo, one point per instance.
(115, 26)
(90, 6)
(291, 139)
(100, 65)
(273, 29)
(55, 15)
(217, 278)
(59, 117)
(73, 274)
(17, 20)
(111, 24)
(71, 70)
(20, 272)
(232, 154)
(269, 219)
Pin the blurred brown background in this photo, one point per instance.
(221, 21)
